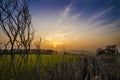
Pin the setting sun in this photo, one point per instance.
(55, 44)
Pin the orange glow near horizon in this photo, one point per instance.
(63, 29)
(56, 44)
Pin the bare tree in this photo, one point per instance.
(9, 20)
(15, 21)
(39, 43)
(26, 33)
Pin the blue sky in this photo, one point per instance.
(76, 24)
(89, 7)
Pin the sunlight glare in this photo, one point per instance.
(55, 44)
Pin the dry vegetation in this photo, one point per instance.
(61, 68)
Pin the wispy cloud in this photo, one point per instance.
(90, 26)
(71, 27)
(65, 13)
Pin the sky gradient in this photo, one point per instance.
(76, 24)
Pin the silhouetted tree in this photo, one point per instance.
(39, 43)
(26, 32)
(15, 21)
(109, 50)
(9, 20)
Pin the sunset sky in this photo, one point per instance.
(76, 24)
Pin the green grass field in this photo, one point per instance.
(44, 60)
(59, 67)
(33, 60)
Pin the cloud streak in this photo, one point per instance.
(74, 27)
